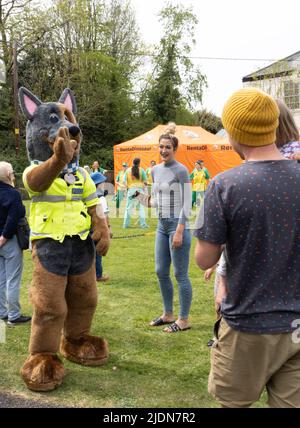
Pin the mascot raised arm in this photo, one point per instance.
(64, 207)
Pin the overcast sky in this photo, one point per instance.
(256, 29)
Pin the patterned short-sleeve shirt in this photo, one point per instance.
(255, 210)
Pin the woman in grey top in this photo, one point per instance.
(171, 194)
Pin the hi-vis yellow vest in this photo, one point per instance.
(199, 178)
(149, 175)
(61, 210)
(131, 181)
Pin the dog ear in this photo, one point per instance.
(67, 98)
(28, 102)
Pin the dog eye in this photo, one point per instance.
(54, 118)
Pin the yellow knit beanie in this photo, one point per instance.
(250, 117)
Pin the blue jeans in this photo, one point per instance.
(11, 266)
(99, 270)
(164, 255)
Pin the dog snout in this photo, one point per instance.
(74, 130)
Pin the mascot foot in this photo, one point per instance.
(88, 351)
(43, 372)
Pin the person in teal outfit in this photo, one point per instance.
(135, 180)
(121, 188)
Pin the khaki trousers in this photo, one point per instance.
(243, 364)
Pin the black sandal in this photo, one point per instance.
(158, 322)
(174, 328)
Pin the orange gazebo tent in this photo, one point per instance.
(194, 143)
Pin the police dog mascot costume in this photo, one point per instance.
(64, 206)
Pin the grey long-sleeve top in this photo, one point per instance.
(171, 190)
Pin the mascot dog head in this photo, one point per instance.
(44, 121)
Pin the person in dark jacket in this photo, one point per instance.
(11, 256)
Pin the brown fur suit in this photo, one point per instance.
(63, 289)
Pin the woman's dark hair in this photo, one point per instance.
(170, 137)
(287, 129)
(135, 170)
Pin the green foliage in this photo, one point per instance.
(6, 111)
(208, 121)
(186, 117)
(104, 156)
(85, 45)
(8, 151)
(92, 46)
(176, 83)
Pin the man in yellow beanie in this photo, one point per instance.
(255, 210)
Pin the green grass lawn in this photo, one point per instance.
(146, 368)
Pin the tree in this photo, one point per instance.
(89, 47)
(14, 28)
(176, 83)
(209, 121)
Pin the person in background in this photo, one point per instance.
(97, 168)
(199, 176)
(287, 133)
(254, 210)
(121, 187)
(135, 180)
(149, 176)
(11, 256)
(99, 180)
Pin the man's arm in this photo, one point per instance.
(207, 254)
(144, 176)
(206, 174)
(15, 211)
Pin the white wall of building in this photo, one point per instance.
(274, 87)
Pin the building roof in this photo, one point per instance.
(283, 67)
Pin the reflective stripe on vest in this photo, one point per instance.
(48, 198)
(53, 198)
(89, 198)
(46, 235)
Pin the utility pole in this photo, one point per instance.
(16, 104)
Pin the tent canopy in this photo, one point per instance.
(194, 143)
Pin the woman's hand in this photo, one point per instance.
(177, 239)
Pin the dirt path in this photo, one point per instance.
(10, 400)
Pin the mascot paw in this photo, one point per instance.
(88, 351)
(43, 372)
